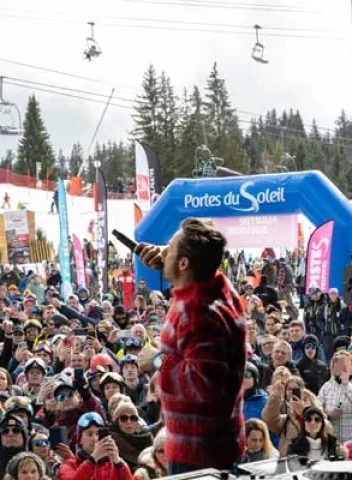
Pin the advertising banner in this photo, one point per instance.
(17, 237)
(142, 178)
(64, 250)
(79, 261)
(318, 257)
(102, 233)
(274, 231)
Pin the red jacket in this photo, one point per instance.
(72, 469)
(201, 377)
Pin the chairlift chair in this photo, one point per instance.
(93, 49)
(258, 49)
(9, 110)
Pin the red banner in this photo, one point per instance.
(318, 258)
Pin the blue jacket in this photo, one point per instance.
(254, 405)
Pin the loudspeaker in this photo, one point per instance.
(347, 285)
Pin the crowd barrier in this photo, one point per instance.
(11, 178)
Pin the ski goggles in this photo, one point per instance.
(41, 442)
(43, 348)
(88, 419)
(61, 397)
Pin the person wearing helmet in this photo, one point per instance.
(110, 383)
(32, 330)
(22, 408)
(136, 386)
(98, 459)
(102, 360)
(35, 371)
(94, 376)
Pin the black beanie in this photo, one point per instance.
(308, 411)
(310, 338)
(341, 343)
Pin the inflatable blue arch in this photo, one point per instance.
(310, 193)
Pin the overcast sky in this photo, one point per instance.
(312, 75)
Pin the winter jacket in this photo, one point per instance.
(131, 445)
(10, 278)
(139, 394)
(300, 446)
(254, 404)
(74, 469)
(38, 290)
(280, 424)
(267, 295)
(312, 315)
(203, 339)
(314, 373)
(333, 318)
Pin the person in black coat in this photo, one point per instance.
(313, 442)
(267, 294)
(313, 371)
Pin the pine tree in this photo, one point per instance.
(190, 132)
(8, 160)
(219, 114)
(146, 109)
(76, 159)
(167, 122)
(62, 163)
(34, 146)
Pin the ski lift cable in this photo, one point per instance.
(167, 24)
(59, 87)
(67, 74)
(282, 127)
(239, 4)
(171, 21)
(224, 5)
(68, 95)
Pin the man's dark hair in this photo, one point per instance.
(203, 245)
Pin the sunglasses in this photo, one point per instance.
(161, 450)
(40, 443)
(126, 418)
(309, 346)
(313, 419)
(18, 333)
(14, 430)
(64, 396)
(248, 374)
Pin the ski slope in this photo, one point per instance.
(80, 213)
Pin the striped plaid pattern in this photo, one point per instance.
(201, 377)
(333, 394)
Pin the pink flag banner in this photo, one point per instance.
(318, 257)
(79, 261)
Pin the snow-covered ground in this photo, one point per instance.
(80, 213)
